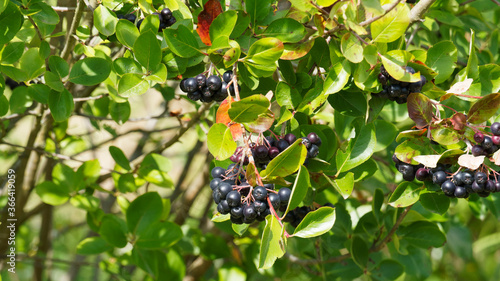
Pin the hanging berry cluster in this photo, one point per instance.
(398, 91)
(208, 89)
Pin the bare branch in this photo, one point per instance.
(418, 11)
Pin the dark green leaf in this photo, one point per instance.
(90, 71)
(12, 52)
(61, 105)
(159, 235)
(20, 100)
(51, 193)
(59, 66)
(104, 20)
(287, 96)
(406, 194)
(147, 50)
(223, 24)
(144, 212)
(316, 223)
(11, 21)
(85, 202)
(93, 246)
(154, 168)
(265, 51)
(300, 188)
(392, 25)
(359, 149)
(119, 157)
(32, 63)
(113, 230)
(388, 270)
(132, 85)
(287, 162)
(442, 58)
(484, 109)
(423, 234)
(459, 240)
(120, 112)
(337, 77)
(435, 202)
(126, 33)
(181, 41)
(286, 30)
(349, 103)
(359, 251)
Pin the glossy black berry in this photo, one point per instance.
(260, 206)
(487, 143)
(215, 183)
(395, 159)
(214, 83)
(497, 186)
(275, 200)
(410, 70)
(171, 21)
(313, 137)
(237, 212)
(231, 90)
(259, 193)
(223, 207)
(224, 189)
(480, 177)
(218, 172)
(190, 85)
(249, 212)
(216, 196)
(220, 95)
(408, 171)
(458, 178)
(476, 187)
(477, 150)
(233, 198)
(282, 145)
(130, 17)
(261, 152)
(227, 76)
(269, 186)
(166, 14)
(273, 152)
(495, 128)
(138, 24)
(270, 141)
(201, 80)
(284, 194)
(448, 187)
(395, 91)
(306, 142)
(468, 178)
(422, 174)
(382, 79)
(313, 151)
(290, 138)
(460, 192)
(490, 186)
(439, 177)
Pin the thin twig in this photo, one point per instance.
(370, 20)
(418, 11)
(90, 98)
(70, 43)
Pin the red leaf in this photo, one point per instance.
(223, 117)
(419, 109)
(459, 120)
(210, 11)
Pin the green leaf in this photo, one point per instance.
(3, 5)
(11, 21)
(351, 48)
(395, 63)
(240, 229)
(131, 85)
(181, 41)
(147, 50)
(58, 66)
(4, 105)
(150, 24)
(223, 24)
(409, 149)
(265, 51)
(344, 185)
(272, 244)
(359, 149)
(472, 69)
(39, 92)
(90, 170)
(316, 223)
(287, 162)
(484, 109)
(53, 81)
(423, 234)
(158, 75)
(386, 133)
(126, 65)
(12, 52)
(388, 270)
(154, 169)
(349, 103)
(459, 240)
(287, 71)
(287, 96)
(143, 213)
(442, 58)
(126, 183)
(391, 26)
(52, 193)
(435, 202)
(113, 230)
(251, 81)
(304, 6)
(127, 33)
(160, 235)
(420, 109)
(32, 63)
(44, 13)
(119, 157)
(248, 109)
(20, 100)
(93, 246)
(220, 141)
(263, 123)
(258, 10)
(300, 188)
(120, 112)
(359, 251)
(90, 71)
(337, 78)
(61, 105)
(104, 20)
(85, 202)
(286, 30)
(405, 194)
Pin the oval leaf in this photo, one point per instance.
(316, 223)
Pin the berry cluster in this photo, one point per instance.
(459, 184)
(396, 90)
(208, 89)
(487, 145)
(166, 19)
(272, 147)
(245, 203)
